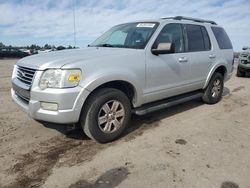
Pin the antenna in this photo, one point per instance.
(74, 16)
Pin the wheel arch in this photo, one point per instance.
(128, 86)
(124, 86)
(221, 68)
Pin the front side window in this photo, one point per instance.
(222, 38)
(171, 33)
(131, 35)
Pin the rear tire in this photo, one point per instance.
(106, 115)
(214, 90)
(240, 73)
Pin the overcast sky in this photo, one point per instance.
(25, 22)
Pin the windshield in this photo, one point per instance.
(131, 35)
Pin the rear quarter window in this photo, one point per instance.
(222, 38)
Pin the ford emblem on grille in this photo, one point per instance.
(23, 73)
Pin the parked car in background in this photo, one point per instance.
(136, 67)
(45, 51)
(12, 52)
(26, 51)
(244, 62)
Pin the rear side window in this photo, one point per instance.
(197, 38)
(207, 43)
(222, 38)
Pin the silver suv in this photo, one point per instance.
(136, 67)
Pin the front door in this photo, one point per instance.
(167, 74)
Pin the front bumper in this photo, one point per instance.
(70, 102)
(244, 63)
(244, 67)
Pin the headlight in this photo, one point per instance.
(60, 78)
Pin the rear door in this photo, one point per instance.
(200, 53)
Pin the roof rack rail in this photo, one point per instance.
(191, 19)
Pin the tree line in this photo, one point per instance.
(37, 47)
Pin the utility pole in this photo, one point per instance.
(74, 23)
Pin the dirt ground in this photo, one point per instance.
(192, 145)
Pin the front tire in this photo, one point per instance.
(106, 115)
(214, 90)
(240, 73)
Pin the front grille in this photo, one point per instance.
(244, 55)
(25, 74)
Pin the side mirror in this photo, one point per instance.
(245, 48)
(163, 48)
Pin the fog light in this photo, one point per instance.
(49, 106)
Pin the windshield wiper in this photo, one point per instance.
(104, 45)
(110, 45)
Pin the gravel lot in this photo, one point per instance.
(192, 145)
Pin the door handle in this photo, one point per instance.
(183, 60)
(212, 56)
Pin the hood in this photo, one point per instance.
(245, 52)
(58, 59)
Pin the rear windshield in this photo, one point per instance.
(222, 38)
